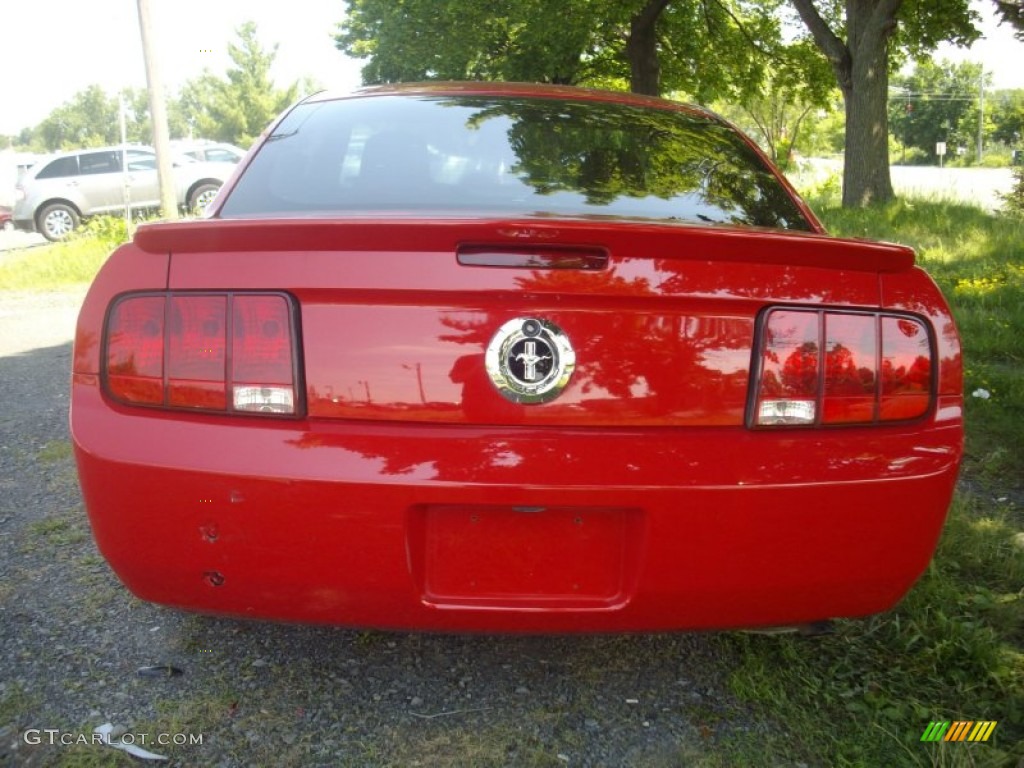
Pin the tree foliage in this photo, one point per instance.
(1012, 12)
(1013, 200)
(1007, 110)
(237, 107)
(936, 102)
(796, 84)
(705, 48)
(88, 119)
(84, 120)
(468, 39)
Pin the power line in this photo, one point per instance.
(930, 97)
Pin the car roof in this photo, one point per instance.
(531, 90)
(201, 144)
(86, 150)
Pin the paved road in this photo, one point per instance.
(978, 185)
(31, 321)
(13, 240)
(972, 185)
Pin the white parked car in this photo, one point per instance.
(54, 195)
(208, 151)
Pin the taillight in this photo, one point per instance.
(226, 352)
(827, 367)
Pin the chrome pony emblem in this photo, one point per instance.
(530, 360)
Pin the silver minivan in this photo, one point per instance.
(56, 194)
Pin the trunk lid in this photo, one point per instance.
(397, 314)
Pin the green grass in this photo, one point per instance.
(61, 265)
(55, 452)
(55, 266)
(954, 648)
(60, 530)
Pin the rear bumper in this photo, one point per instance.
(511, 529)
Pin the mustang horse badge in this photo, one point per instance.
(530, 360)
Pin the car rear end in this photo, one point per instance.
(508, 399)
(23, 213)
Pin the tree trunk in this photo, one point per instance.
(642, 49)
(866, 176)
(861, 65)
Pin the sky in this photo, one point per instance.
(51, 49)
(998, 50)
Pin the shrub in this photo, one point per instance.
(823, 192)
(110, 231)
(912, 156)
(1013, 201)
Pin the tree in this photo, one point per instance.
(91, 118)
(1012, 12)
(238, 107)
(87, 119)
(934, 103)
(1013, 201)
(1007, 111)
(195, 107)
(795, 84)
(706, 48)
(466, 39)
(861, 62)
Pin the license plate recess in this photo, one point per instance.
(518, 556)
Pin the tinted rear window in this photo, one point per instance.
(509, 156)
(141, 161)
(62, 166)
(100, 162)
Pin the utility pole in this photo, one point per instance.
(981, 113)
(126, 190)
(158, 116)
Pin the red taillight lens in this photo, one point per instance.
(790, 369)
(851, 356)
(906, 369)
(134, 359)
(215, 352)
(196, 352)
(823, 367)
(263, 366)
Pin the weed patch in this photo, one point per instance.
(54, 452)
(72, 262)
(53, 266)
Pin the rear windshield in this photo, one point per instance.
(509, 156)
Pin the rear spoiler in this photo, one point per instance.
(621, 238)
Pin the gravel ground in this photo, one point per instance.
(72, 641)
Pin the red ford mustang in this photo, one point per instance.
(478, 357)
